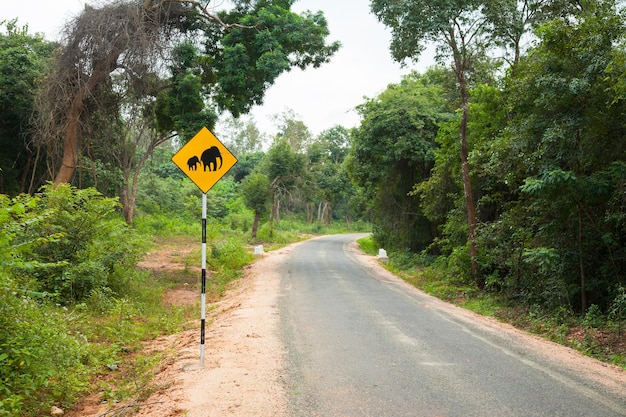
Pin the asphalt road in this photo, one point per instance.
(362, 344)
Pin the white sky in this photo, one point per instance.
(322, 97)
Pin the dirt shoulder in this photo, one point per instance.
(241, 375)
(243, 355)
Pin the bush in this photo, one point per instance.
(229, 254)
(369, 245)
(71, 297)
(91, 245)
(41, 362)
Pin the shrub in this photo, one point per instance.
(41, 362)
(91, 244)
(70, 297)
(229, 254)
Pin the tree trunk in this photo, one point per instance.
(319, 213)
(72, 127)
(583, 291)
(309, 212)
(255, 224)
(323, 215)
(467, 185)
(129, 188)
(329, 213)
(469, 205)
(273, 199)
(70, 144)
(129, 196)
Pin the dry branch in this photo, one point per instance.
(122, 38)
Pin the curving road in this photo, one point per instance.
(361, 343)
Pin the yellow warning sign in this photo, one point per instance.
(204, 159)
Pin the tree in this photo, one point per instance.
(293, 130)
(256, 192)
(332, 186)
(569, 151)
(23, 61)
(178, 110)
(335, 144)
(392, 150)
(459, 28)
(285, 169)
(241, 135)
(245, 50)
(511, 20)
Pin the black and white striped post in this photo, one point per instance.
(203, 282)
(215, 160)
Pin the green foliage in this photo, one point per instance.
(282, 235)
(283, 165)
(23, 61)
(328, 185)
(41, 361)
(249, 60)
(229, 254)
(242, 137)
(415, 23)
(568, 145)
(181, 108)
(546, 155)
(93, 245)
(255, 189)
(369, 245)
(393, 150)
(35, 344)
(16, 216)
(68, 246)
(246, 164)
(439, 193)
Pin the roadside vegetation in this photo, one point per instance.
(595, 334)
(77, 311)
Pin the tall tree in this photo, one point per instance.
(245, 50)
(392, 150)
(256, 192)
(329, 180)
(459, 30)
(293, 130)
(570, 150)
(511, 22)
(285, 168)
(23, 61)
(241, 135)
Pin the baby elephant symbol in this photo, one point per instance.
(209, 158)
(192, 163)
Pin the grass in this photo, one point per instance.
(368, 245)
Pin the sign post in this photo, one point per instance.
(203, 282)
(205, 160)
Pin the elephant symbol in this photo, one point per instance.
(192, 163)
(210, 156)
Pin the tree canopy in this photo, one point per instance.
(392, 150)
(23, 63)
(544, 145)
(120, 48)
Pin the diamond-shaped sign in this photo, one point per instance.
(204, 159)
